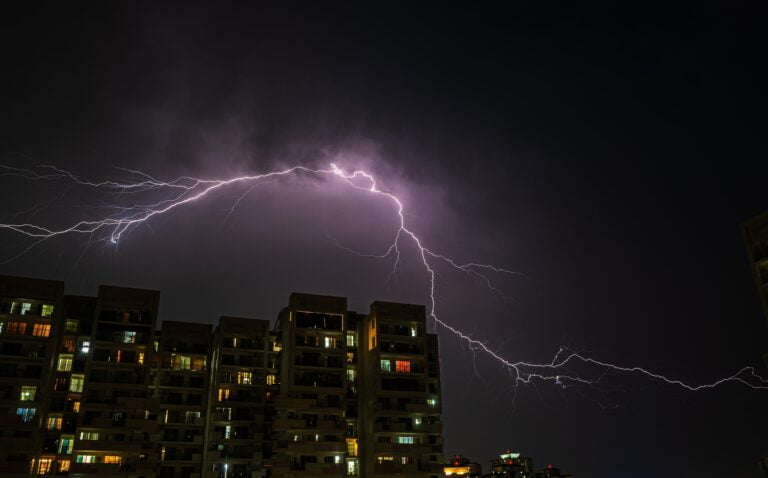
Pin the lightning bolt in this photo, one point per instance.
(186, 190)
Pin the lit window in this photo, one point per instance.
(181, 362)
(405, 440)
(351, 374)
(417, 421)
(432, 402)
(351, 340)
(352, 446)
(16, 328)
(327, 342)
(271, 379)
(386, 366)
(76, 384)
(127, 337)
(113, 459)
(70, 326)
(53, 423)
(85, 459)
(227, 432)
(244, 378)
(65, 363)
(352, 467)
(63, 466)
(47, 310)
(41, 330)
(44, 466)
(141, 358)
(276, 347)
(25, 308)
(89, 435)
(337, 459)
(403, 366)
(65, 444)
(414, 331)
(76, 406)
(85, 347)
(224, 394)
(28, 393)
(384, 458)
(26, 414)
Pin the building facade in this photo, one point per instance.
(90, 386)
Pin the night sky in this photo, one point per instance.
(609, 152)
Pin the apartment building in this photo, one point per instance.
(89, 386)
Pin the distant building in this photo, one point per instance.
(755, 232)
(462, 467)
(551, 472)
(90, 388)
(512, 465)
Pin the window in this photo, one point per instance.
(432, 402)
(244, 378)
(26, 414)
(141, 358)
(180, 362)
(384, 458)
(76, 406)
(28, 393)
(63, 466)
(85, 347)
(126, 337)
(276, 347)
(414, 331)
(352, 446)
(386, 366)
(85, 459)
(76, 385)
(65, 444)
(41, 330)
(405, 440)
(227, 432)
(329, 342)
(271, 379)
(351, 340)
(44, 466)
(65, 363)
(47, 310)
(16, 328)
(113, 459)
(224, 394)
(403, 366)
(70, 326)
(352, 467)
(26, 307)
(53, 423)
(89, 435)
(417, 421)
(337, 459)
(351, 374)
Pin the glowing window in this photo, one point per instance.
(386, 366)
(75, 406)
(244, 378)
(181, 362)
(329, 342)
(26, 414)
(113, 459)
(227, 432)
(432, 402)
(44, 466)
(352, 446)
(89, 435)
(224, 394)
(417, 421)
(25, 308)
(85, 459)
(404, 460)
(28, 393)
(352, 467)
(414, 331)
(126, 337)
(351, 374)
(64, 466)
(65, 444)
(16, 328)
(141, 358)
(65, 363)
(405, 440)
(70, 326)
(351, 340)
(403, 366)
(76, 384)
(53, 423)
(47, 310)
(85, 347)
(271, 379)
(383, 458)
(41, 330)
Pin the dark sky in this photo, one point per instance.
(609, 152)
